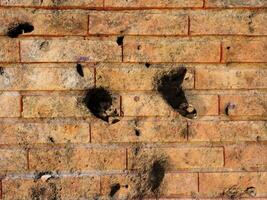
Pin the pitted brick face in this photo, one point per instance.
(133, 99)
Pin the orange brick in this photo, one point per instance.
(174, 184)
(45, 22)
(77, 159)
(53, 3)
(170, 50)
(143, 130)
(235, 22)
(54, 106)
(252, 156)
(139, 23)
(154, 3)
(245, 50)
(25, 133)
(10, 104)
(185, 157)
(9, 51)
(64, 187)
(244, 105)
(58, 77)
(214, 184)
(12, 160)
(236, 3)
(70, 50)
(234, 77)
(136, 76)
(227, 131)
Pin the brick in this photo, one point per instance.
(9, 51)
(174, 184)
(236, 3)
(40, 133)
(53, 3)
(139, 23)
(45, 22)
(152, 104)
(170, 49)
(249, 156)
(243, 77)
(227, 131)
(154, 3)
(58, 77)
(64, 187)
(235, 22)
(70, 50)
(143, 130)
(184, 157)
(220, 182)
(136, 77)
(10, 104)
(54, 106)
(12, 160)
(245, 50)
(244, 105)
(77, 159)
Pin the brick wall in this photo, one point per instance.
(200, 135)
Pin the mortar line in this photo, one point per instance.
(104, 4)
(198, 182)
(223, 156)
(204, 3)
(221, 52)
(20, 52)
(127, 165)
(94, 77)
(90, 133)
(1, 189)
(219, 105)
(187, 131)
(189, 26)
(21, 105)
(121, 113)
(28, 159)
(88, 25)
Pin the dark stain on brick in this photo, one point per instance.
(18, 29)
(114, 189)
(250, 23)
(157, 174)
(2, 71)
(147, 65)
(169, 85)
(79, 69)
(47, 191)
(229, 107)
(120, 40)
(137, 132)
(51, 139)
(99, 102)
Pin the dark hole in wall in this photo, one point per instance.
(79, 69)
(169, 85)
(18, 29)
(157, 174)
(99, 102)
(120, 40)
(147, 65)
(137, 132)
(114, 189)
(2, 71)
(229, 108)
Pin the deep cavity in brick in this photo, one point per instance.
(229, 108)
(79, 69)
(120, 40)
(157, 174)
(17, 29)
(147, 65)
(137, 132)
(169, 85)
(100, 102)
(2, 71)
(114, 189)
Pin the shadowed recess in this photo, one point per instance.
(114, 189)
(18, 29)
(79, 69)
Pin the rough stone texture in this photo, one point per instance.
(10, 104)
(12, 160)
(236, 3)
(9, 51)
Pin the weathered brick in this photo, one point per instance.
(244, 105)
(154, 3)
(137, 77)
(252, 156)
(139, 23)
(236, 3)
(58, 77)
(53, 3)
(12, 160)
(54, 106)
(233, 77)
(45, 22)
(228, 131)
(77, 159)
(245, 50)
(70, 188)
(143, 130)
(70, 50)
(25, 133)
(214, 184)
(183, 157)
(152, 104)
(235, 22)
(170, 49)
(10, 104)
(9, 51)
(174, 184)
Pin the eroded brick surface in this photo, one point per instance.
(236, 3)
(10, 104)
